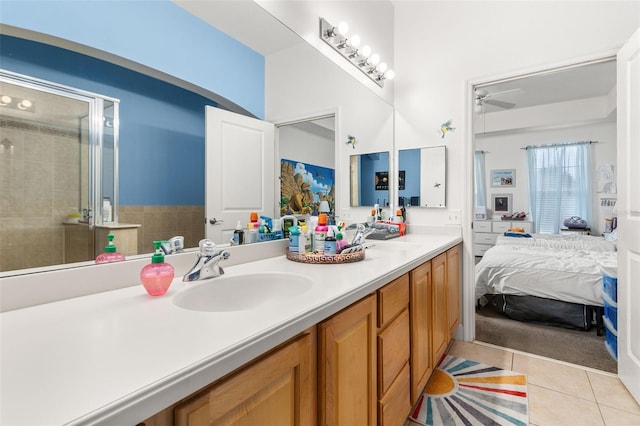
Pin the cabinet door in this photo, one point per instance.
(440, 328)
(453, 289)
(278, 389)
(347, 366)
(420, 324)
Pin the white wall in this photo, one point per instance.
(505, 152)
(440, 47)
(312, 85)
(371, 20)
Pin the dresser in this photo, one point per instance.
(485, 232)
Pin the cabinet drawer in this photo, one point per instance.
(501, 226)
(482, 238)
(480, 249)
(482, 226)
(392, 299)
(395, 404)
(393, 351)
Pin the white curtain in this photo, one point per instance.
(559, 185)
(480, 190)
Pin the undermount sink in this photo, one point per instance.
(242, 292)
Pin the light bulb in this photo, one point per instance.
(366, 51)
(5, 100)
(343, 28)
(382, 67)
(355, 41)
(389, 75)
(25, 104)
(375, 58)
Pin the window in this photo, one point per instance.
(559, 185)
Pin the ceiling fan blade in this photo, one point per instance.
(501, 92)
(501, 104)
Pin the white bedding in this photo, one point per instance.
(568, 275)
(578, 242)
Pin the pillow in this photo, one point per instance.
(575, 222)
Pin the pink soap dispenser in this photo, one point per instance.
(156, 277)
(110, 254)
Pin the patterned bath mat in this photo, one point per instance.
(463, 392)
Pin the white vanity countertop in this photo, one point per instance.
(120, 356)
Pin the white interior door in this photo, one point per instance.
(239, 176)
(629, 215)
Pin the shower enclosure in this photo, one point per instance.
(58, 163)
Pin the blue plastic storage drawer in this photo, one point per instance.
(612, 341)
(610, 287)
(611, 311)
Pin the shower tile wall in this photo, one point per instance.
(39, 183)
(164, 222)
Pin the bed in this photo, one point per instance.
(553, 279)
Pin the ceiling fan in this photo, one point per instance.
(483, 97)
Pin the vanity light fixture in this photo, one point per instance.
(17, 103)
(363, 59)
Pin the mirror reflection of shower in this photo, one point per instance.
(54, 148)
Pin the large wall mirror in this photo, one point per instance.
(422, 177)
(161, 149)
(369, 179)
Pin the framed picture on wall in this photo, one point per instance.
(503, 178)
(501, 203)
(382, 181)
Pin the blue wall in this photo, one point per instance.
(409, 161)
(155, 33)
(162, 127)
(369, 165)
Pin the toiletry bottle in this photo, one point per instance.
(372, 219)
(107, 210)
(238, 235)
(320, 233)
(398, 218)
(156, 277)
(110, 254)
(330, 243)
(341, 243)
(287, 222)
(294, 239)
(304, 242)
(253, 228)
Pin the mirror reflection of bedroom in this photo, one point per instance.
(544, 227)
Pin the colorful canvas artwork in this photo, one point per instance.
(303, 186)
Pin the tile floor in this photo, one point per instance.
(559, 393)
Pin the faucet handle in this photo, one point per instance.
(207, 247)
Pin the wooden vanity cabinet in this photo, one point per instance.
(420, 326)
(393, 352)
(439, 324)
(347, 366)
(280, 387)
(453, 289)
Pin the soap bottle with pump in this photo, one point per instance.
(330, 243)
(320, 233)
(110, 253)
(156, 277)
(341, 243)
(238, 235)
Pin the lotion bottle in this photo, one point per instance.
(156, 277)
(320, 233)
(110, 253)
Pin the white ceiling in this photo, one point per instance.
(250, 24)
(580, 82)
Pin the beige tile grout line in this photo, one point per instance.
(593, 391)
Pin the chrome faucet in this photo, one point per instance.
(207, 265)
(362, 231)
(173, 245)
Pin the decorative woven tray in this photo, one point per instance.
(324, 259)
